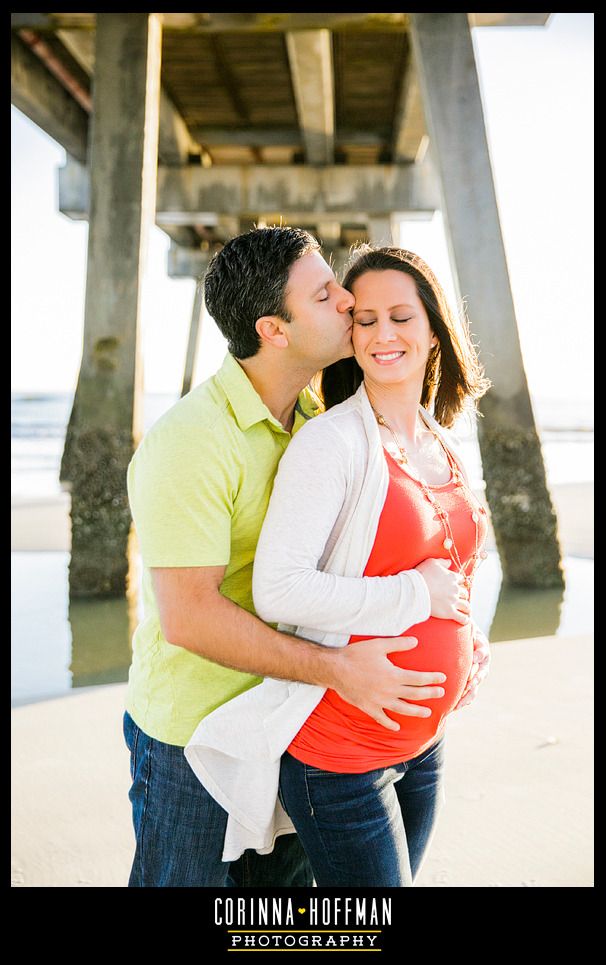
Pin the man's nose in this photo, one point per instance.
(346, 301)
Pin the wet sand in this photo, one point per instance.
(518, 810)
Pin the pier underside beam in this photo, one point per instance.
(197, 195)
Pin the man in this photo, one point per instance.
(199, 487)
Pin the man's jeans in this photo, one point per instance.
(365, 830)
(179, 828)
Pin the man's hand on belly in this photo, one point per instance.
(370, 681)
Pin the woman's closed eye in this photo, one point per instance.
(366, 322)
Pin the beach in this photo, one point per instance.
(42, 522)
(408, 130)
(518, 809)
(519, 780)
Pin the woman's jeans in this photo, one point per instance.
(179, 828)
(365, 830)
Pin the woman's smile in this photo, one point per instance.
(387, 358)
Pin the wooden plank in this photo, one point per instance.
(368, 69)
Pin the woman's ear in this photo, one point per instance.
(271, 329)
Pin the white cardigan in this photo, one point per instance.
(328, 495)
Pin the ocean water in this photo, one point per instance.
(38, 425)
(55, 642)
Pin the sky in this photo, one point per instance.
(537, 94)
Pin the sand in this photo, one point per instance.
(518, 810)
(519, 789)
(42, 523)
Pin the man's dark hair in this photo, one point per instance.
(247, 279)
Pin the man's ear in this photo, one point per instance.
(272, 329)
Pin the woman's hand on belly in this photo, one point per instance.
(447, 592)
(479, 669)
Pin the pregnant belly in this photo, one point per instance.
(445, 646)
(340, 737)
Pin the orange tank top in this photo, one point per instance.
(338, 736)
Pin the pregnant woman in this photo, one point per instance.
(372, 487)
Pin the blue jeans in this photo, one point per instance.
(365, 830)
(179, 829)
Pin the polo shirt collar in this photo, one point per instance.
(247, 405)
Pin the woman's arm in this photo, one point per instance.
(308, 495)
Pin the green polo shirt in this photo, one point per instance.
(199, 485)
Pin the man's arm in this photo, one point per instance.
(196, 616)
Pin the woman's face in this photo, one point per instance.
(391, 336)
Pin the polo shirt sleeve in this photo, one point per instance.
(181, 487)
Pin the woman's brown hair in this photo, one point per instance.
(454, 379)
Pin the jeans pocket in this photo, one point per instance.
(131, 736)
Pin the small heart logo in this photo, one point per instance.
(301, 910)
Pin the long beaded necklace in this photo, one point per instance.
(449, 542)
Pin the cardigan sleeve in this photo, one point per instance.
(309, 492)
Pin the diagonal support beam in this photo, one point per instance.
(311, 69)
(49, 105)
(175, 142)
(40, 96)
(523, 518)
(410, 139)
(194, 336)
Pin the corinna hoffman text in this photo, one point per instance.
(303, 913)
